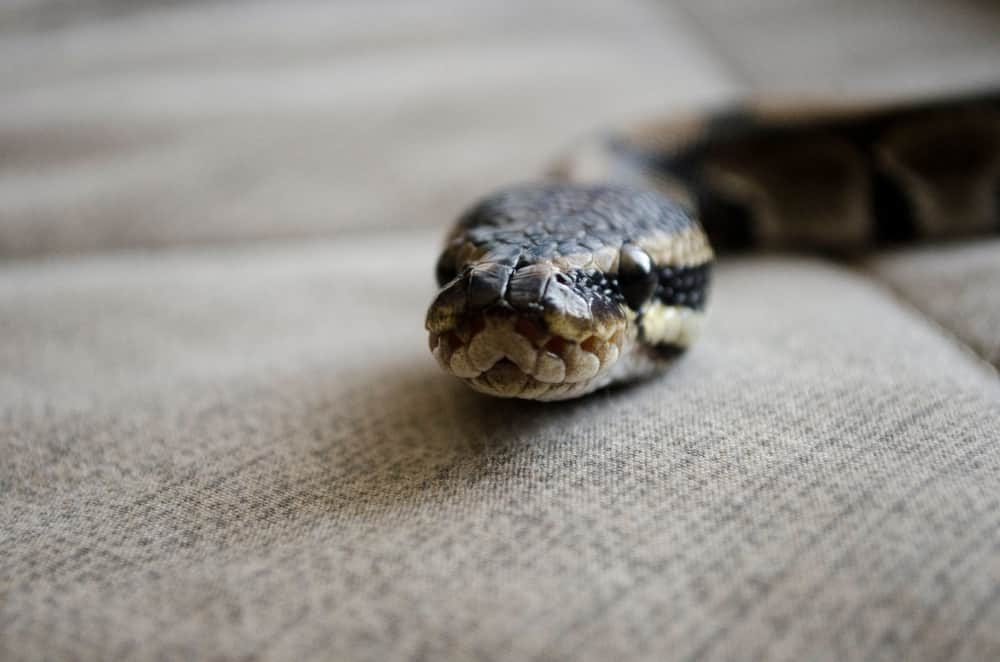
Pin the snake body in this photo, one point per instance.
(601, 274)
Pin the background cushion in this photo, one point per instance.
(958, 286)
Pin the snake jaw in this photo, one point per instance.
(527, 333)
(515, 355)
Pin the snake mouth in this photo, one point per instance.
(517, 356)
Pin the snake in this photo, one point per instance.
(600, 272)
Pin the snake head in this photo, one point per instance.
(551, 291)
(533, 331)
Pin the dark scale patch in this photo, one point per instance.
(547, 220)
(730, 226)
(595, 285)
(892, 211)
(599, 290)
(996, 208)
(445, 270)
(665, 351)
(684, 286)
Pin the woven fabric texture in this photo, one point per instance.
(215, 444)
(957, 286)
(273, 467)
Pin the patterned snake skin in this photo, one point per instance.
(600, 275)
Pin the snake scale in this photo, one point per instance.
(601, 273)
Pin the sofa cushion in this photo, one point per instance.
(251, 453)
(957, 286)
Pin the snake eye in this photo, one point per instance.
(635, 276)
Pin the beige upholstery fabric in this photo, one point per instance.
(957, 286)
(890, 47)
(222, 461)
(234, 451)
(209, 123)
